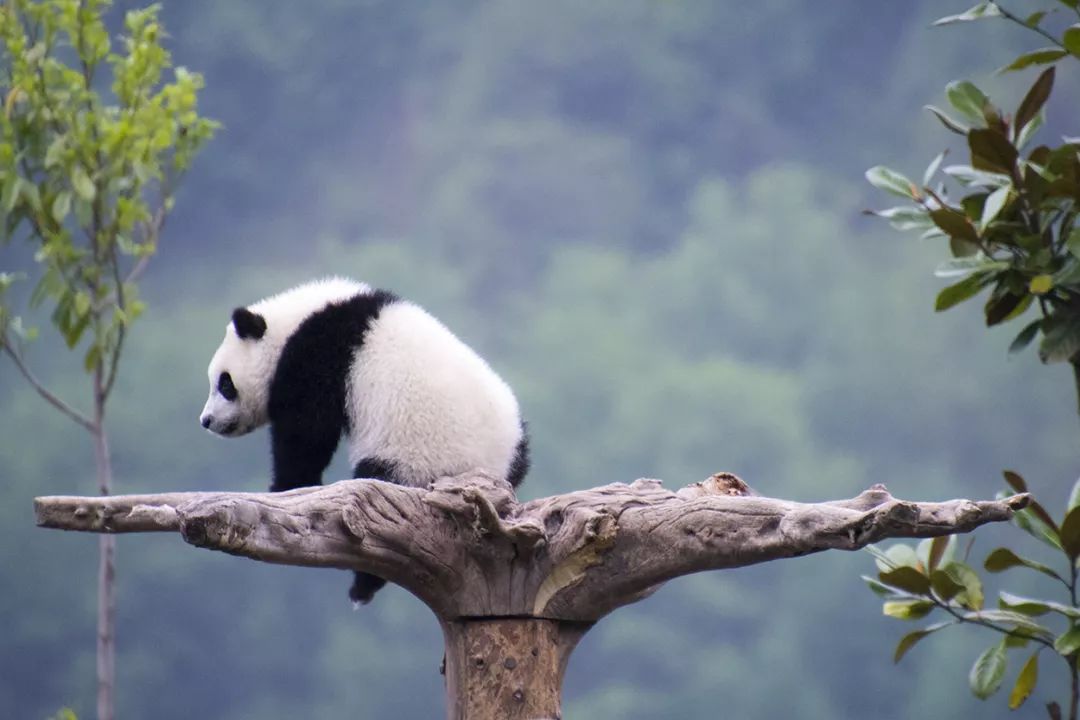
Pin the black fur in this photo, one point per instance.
(248, 324)
(520, 465)
(307, 393)
(365, 585)
(377, 469)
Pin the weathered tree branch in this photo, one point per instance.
(469, 549)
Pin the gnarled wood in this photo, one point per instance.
(505, 577)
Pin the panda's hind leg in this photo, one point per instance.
(365, 585)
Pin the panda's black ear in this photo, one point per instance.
(248, 324)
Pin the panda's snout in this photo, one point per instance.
(206, 420)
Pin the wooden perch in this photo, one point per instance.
(515, 585)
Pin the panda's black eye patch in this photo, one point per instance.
(226, 388)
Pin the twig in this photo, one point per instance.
(44, 392)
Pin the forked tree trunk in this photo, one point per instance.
(516, 585)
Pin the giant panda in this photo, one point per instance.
(336, 357)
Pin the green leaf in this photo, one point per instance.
(1035, 607)
(991, 151)
(878, 587)
(1030, 522)
(1042, 56)
(968, 100)
(92, 358)
(963, 266)
(908, 609)
(81, 182)
(1034, 100)
(1073, 242)
(969, 176)
(1041, 284)
(982, 10)
(947, 121)
(1069, 642)
(955, 224)
(1070, 534)
(1071, 39)
(932, 168)
(1022, 605)
(993, 206)
(1035, 18)
(891, 181)
(987, 672)
(1061, 339)
(908, 579)
(1009, 617)
(1074, 498)
(1001, 559)
(1025, 336)
(61, 206)
(1005, 306)
(1025, 682)
(963, 574)
(908, 641)
(941, 549)
(945, 587)
(954, 294)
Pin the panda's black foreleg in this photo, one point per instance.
(301, 453)
(365, 585)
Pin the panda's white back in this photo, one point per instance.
(421, 398)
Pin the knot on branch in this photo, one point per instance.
(721, 483)
(486, 507)
(222, 525)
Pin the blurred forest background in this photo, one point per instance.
(645, 214)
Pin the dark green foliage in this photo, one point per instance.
(1012, 228)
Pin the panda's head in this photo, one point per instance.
(240, 374)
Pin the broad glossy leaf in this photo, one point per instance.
(1025, 682)
(969, 176)
(956, 293)
(1070, 533)
(1023, 605)
(1074, 497)
(963, 266)
(1073, 242)
(1019, 621)
(82, 184)
(908, 609)
(948, 122)
(1035, 606)
(1068, 642)
(945, 587)
(942, 549)
(1034, 100)
(972, 595)
(932, 168)
(908, 579)
(1035, 57)
(1025, 336)
(967, 99)
(995, 203)
(987, 672)
(1004, 306)
(955, 224)
(1071, 39)
(891, 181)
(878, 587)
(1041, 284)
(991, 151)
(908, 641)
(978, 12)
(1035, 18)
(1031, 523)
(1061, 339)
(1028, 131)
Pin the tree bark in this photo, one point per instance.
(507, 668)
(106, 613)
(505, 578)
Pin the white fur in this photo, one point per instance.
(416, 395)
(424, 399)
